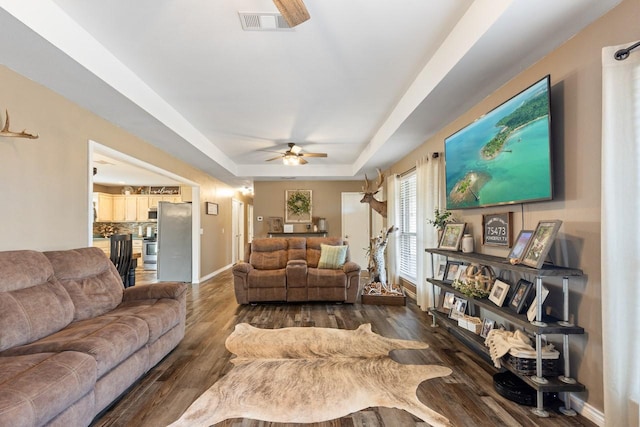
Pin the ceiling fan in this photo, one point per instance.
(294, 155)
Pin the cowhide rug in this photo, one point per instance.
(307, 375)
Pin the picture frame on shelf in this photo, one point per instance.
(276, 224)
(212, 208)
(532, 311)
(458, 310)
(520, 296)
(540, 243)
(487, 326)
(499, 292)
(497, 229)
(451, 236)
(519, 246)
(449, 300)
(440, 269)
(451, 271)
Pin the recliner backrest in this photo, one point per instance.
(268, 254)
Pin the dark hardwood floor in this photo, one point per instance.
(466, 397)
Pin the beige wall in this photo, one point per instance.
(575, 70)
(269, 202)
(45, 182)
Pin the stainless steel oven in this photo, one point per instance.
(150, 254)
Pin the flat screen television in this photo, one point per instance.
(504, 157)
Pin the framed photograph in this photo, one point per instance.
(519, 298)
(540, 243)
(451, 236)
(497, 229)
(487, 325)
(297, 206)
(532, 311)
(275, 225)
(520, 245)
(457, 311)
(449, 301)
(499, 292)
(440, 269)
(451, 271)
(212, 208)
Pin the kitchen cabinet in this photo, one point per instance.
(142, 208)
(105, 245)
(105, 207)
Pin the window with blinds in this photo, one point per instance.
(408, 227)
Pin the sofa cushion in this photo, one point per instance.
(314, 248)
(268, 279)
(268, 254)
(33, 304)
(325, 278)
(36, 388)
(297, 248)
(108, 339)
(160, 315)
(332, 257)
(90, 278)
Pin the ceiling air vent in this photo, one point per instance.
(254, 21)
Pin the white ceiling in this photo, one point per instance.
(365, 81)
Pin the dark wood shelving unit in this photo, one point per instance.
(547, 326)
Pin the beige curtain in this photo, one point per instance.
(430, 188)
(393, 252)
(620, 237)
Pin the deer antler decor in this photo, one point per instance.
(376, 205)
(6, 132)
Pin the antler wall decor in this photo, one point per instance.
(376, 205)
(6, 132)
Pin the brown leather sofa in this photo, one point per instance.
(72, 339)
(279, 269)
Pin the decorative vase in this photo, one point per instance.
(467, 243)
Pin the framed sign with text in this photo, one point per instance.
(497, 229)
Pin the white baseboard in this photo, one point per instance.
(589, 412)
(215, 273)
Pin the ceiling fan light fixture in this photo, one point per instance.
(291, 160)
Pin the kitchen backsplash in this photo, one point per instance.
(123, 228)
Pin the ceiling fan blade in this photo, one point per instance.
(293, 11)
(302, 161)
(313, 154)
(274, 158)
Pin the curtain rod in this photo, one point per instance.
(623, 54)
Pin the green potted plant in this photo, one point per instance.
(441, 218)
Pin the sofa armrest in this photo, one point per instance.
(350, 266)
(242, 267)
(171, 290)
(296, 262)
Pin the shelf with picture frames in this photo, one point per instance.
(541, 325)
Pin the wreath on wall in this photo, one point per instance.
(299, 203)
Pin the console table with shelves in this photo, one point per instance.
(542, 325)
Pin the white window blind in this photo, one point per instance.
(408, 227)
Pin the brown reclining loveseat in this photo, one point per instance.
(279, 269)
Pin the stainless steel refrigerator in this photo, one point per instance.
(174, 242)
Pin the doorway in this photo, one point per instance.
(237, 229)
(355, 227)
(99, 149)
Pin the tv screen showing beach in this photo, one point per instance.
(505, 156)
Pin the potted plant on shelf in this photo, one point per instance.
(440, 219)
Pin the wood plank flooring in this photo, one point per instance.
(466, 397)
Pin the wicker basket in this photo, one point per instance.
(524, 362)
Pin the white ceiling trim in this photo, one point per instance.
(476, 21)
(49, 21)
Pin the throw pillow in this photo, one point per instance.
(332, 257)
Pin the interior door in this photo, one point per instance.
(355, 227)
(237, 229)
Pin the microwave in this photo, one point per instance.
(153, 213)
